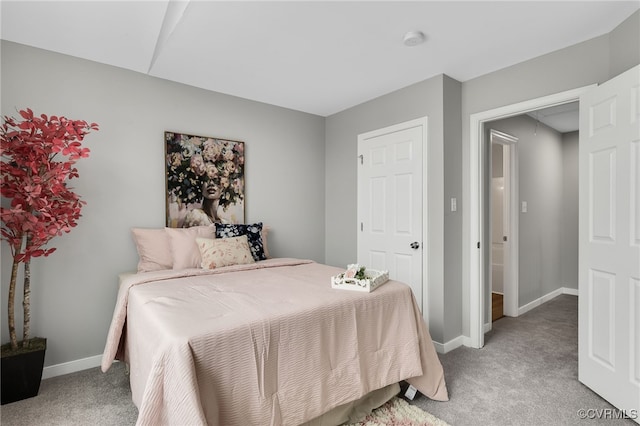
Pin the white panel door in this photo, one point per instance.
(390, 203)
(609, 255)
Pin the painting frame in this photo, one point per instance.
(204, 180)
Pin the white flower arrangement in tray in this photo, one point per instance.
(359, 278)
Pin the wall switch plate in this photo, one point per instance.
(524, 207)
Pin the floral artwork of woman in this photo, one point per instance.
(208, 214)
(205, 180)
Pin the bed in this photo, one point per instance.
(265, 343)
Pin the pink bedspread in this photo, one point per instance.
(264, 344)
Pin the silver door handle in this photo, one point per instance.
(415, 245)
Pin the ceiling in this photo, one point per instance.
(316, 57)
(563, 118)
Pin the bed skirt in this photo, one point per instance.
(355, 411)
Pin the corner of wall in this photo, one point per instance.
(452, 140)
(624, 45)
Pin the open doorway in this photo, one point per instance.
(531, 186)
(502, 187)
(474, 238)
(498, 194)
(605, 268)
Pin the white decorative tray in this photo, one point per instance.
(372, 280)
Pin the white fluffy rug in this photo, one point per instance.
(398, 412)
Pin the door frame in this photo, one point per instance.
(422, 122)
(474, 239)
(510, 256)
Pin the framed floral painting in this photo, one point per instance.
(205, 180)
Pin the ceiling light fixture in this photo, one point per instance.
(414, 38)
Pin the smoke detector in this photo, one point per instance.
(414, 38)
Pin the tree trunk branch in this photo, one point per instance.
(12, 299)
(26, 303)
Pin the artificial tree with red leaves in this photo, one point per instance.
(38, 157)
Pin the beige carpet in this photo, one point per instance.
(398, 412)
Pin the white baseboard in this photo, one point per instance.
(529, 306)
(555, 293)
(466, 341)
(71, 366)
(443, 348)
(455, 343)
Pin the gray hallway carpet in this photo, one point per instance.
(525, 375)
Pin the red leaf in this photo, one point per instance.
(27, 115)
(33, 178)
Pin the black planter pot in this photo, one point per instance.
(21, 374)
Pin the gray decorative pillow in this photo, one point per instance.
(252, 231)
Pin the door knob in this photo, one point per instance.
(415, 245)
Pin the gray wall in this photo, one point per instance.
(422, 99)
(569, 230)
(123, 180)
(590, 62)
(296, 160)
(438, 98)
(496, 160)
(452, 303)
(540, 184)
(624, 42)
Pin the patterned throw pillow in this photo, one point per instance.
(252, 231)
(217, 253)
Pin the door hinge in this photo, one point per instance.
(504, 238)
(361, 157)
(478, 244)
(361, 227)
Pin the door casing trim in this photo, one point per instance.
(474, 216)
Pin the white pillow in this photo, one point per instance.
(153, 247)
(221, 252)
(184, 250)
